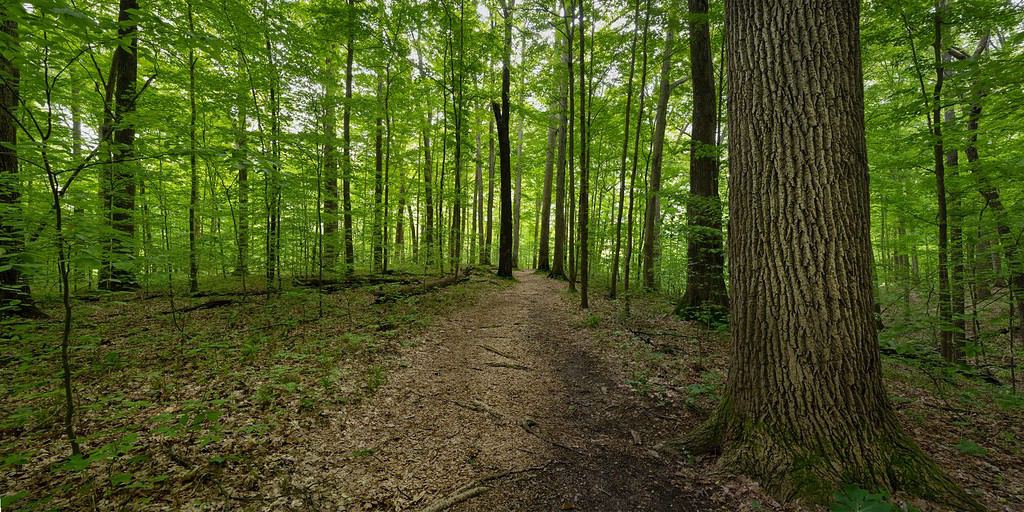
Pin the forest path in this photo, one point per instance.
(509, 398)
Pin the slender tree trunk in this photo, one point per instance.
(804, 344)
(544, 252)
(478, 201)
(636, 150)
(625, 152)
(584, 171)
(346, 178)
(705, 277)
(945, 302)
(570, 29)
(330, 217)
(558, 262)
(490, 192)
(517, 200)
(242, 161)
(193, 203)
(955, 351)
(378, 186)
(428, 224)
(653, 210)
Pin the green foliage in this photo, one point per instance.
(854, 499)
(969, 447)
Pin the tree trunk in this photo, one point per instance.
(804, 409)
(625, 152)
(242, 162)
(118, 260)
(346, 178)
(705, 278)
(428, 224)
(653, 210)
(942, 216)
(501, 118)
(15, 296)
(378, 187)
(558, 262)
(490, 192)
(478, 202)
(544, 249)
(584, 220)
(636, 150)
(955, 351)
(330, 217)
(193, 203)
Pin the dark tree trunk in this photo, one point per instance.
(346, 122)
(942, 216)
(118, 273)
(478, 202)
(15, 296)
(804, 409)
(330, 217)
(378, 187)
(705, 278)
(501, 118)
(544, 249)
(558, 262)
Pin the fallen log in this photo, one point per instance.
(420, 289)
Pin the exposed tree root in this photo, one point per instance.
(811, 472)
(448, 502)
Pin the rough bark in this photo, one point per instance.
(705, 277)
(15, 295)
(804, 409)
(501, 119)
(490, 192)
(118, 272)
(378, 188)
(193, 203)
(584, 220)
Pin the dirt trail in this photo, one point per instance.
(510, 395)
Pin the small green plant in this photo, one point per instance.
(376, 377)
(593, 321)
(640, 382)
(969, 447)
(854, 499)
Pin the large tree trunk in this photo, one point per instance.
(346, 122)
(501, 118)
(653, 210)
(804, 409)
(15, 296)
(118, 273)
(705, 278)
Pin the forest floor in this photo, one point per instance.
(491, 395)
